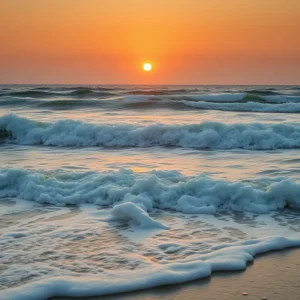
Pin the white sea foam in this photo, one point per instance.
(130, 212)
(233, 257)
(81, 252)
(207, 135)
(170, 190)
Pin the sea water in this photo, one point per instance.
(107, 189)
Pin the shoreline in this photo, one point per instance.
(272, 275)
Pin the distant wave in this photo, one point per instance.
(43, 93)
(20, 102)
(29, 93)
(207, 135)
(159, 189)
(243, 98)
(89, 92)
(160, 91)
(249, 106)
(121, 98)
(220, 101)
(91, 88)
(68, 104)
(263, 92)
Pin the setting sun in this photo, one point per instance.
(147, 67)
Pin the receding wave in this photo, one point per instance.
(206, 135)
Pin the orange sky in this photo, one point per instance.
(188, 41)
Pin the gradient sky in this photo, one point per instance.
(187, 41)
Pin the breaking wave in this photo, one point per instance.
(206, 135)
(165, 190)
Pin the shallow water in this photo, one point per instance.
(118, 188)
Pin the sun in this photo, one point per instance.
(147, 67)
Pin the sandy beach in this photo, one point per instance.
(274, 276)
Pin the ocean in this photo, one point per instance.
(108, 189)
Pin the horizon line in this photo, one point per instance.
(141, 84)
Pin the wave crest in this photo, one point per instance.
(206, 135)
(168, 190)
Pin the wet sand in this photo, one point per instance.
(272, 276)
